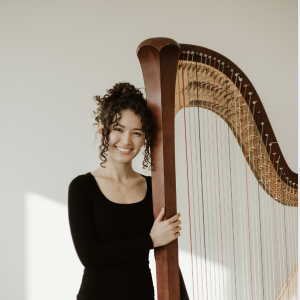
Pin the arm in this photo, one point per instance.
(91, 252)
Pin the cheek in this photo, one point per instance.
(112, 138)
(141, 142)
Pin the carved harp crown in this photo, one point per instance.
(244, 231)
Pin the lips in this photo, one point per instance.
(123, 150)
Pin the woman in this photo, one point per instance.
(110, 208)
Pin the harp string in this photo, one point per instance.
(256, 232)
(225, 167)
(296, 251)
(290, 248)
(231, 195)
(240, 188)
(275, 225)
(286, 252)
(289, 226)
(237, 175)
(210, 249)
(296, 234)
(191, 158)
(214, 161)
(201, 175)
(268, 257)
(294, 240)
(279, 213)
(290, 259)
(272, 260)
(187, 174)
(294, 243)
(252, 150)
(214, 102)
(223, 158)
(250, 138)
(212, 188)
(245, 145)
(259, 201)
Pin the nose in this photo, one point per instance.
(126, 138)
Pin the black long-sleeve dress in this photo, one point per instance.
(112, 241)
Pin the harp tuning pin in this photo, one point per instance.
(209, 57)
(200, 54)
(192, 52)
(196, 53)
(236, 74)
(281, 168)
(251, 93)
(205, 55)
(187, 52)
(262, 123)
(254, 102)
(231, 70)
(240, 79)
(266, 135)
(218, 60)
(286, 177)
(294, 183)
(222, 63)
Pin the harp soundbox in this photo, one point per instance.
(241, 195)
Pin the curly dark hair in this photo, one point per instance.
(123, 96)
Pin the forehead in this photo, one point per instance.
(128, 118)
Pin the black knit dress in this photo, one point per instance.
(112, 241)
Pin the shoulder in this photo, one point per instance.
(148, 179)
(80, 182)
(146, 176)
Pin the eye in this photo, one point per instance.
(137, 133)
(118, 129)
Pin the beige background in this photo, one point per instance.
(56, 55)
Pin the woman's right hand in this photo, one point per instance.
(164, 232)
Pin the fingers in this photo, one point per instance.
(175, 224)
(177, 229)
(176, 235)
(161, 214)
(174, 218)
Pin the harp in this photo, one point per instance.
(242, 197)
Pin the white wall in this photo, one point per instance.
(56, 55)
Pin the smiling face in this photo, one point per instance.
(126, 138)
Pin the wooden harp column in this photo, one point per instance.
(159, 59)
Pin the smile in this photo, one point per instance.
(123, 150)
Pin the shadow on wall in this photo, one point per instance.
(53, 270)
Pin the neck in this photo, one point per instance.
(116, 170)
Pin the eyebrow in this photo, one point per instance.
(133, 128)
